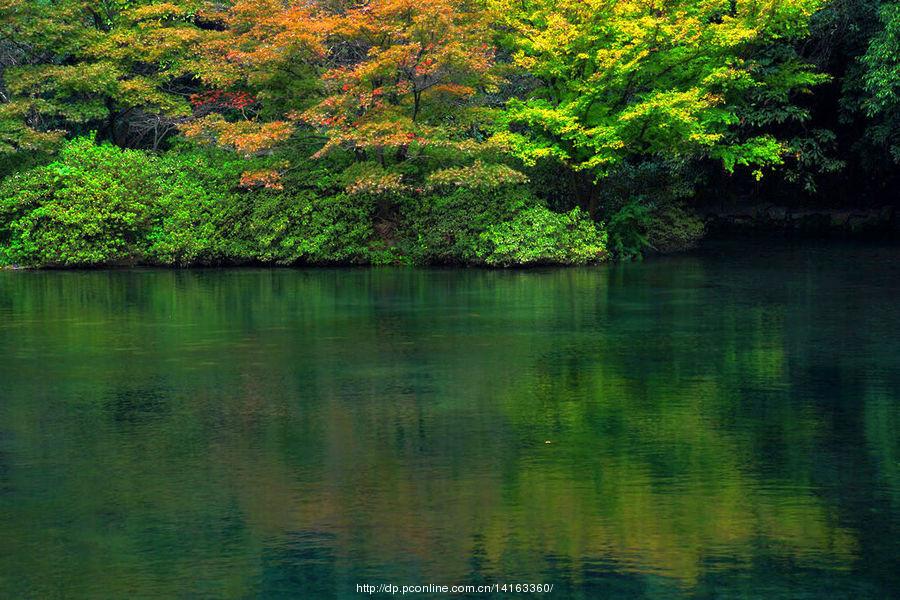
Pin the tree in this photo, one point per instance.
(391, 83)
(881, 82)
(617, 79)
(122, 68)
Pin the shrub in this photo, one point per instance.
(447, 228)
(662, 228)
(627, 230)
(674, 228)
(91, 206)
(307, 228)
(538, 235)
(199, 210)
(205, 217)
(101, 205)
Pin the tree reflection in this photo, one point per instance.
(261, 432)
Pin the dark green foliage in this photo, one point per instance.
(447, 228)
(814, 155)
(643, 199)
(674, 228)
(653, 182)
(665, 227)
(22, 161)
(881, 81)
(842, 156)
(627, 230)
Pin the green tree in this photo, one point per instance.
(684, 79)
(881, 82)
(122, 68)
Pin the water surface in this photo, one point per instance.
(722, 424)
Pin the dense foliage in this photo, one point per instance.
(98, 204)
(493, 132)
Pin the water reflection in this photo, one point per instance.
(719, 425)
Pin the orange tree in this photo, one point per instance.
(389, 87)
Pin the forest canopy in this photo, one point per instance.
(493, 132)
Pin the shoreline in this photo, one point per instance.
(742, 230)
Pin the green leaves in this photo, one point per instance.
(881, 81)
(758, 152)
(620, 79)
(90, 207)
(539, 236)
(83, 66)
(500, 227)
(478, 176)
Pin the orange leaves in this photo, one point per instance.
(453, 89)
(377, 184)
(263, 178)
(412, 62)
(426, 67)
(263, 33)
(247, 137)
(386, 79)
(252, 138)
(382, 135)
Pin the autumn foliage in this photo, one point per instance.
(375, 120)
(388, 81)
(407, 88)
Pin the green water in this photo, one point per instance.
(723, 424)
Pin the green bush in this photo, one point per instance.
(306, 228)
(447, 228)
(205, 218)
(627, 230)
(91, 206)
(499, 226)
(674, 228)
(101, 205)
(665, 228)
(198, 210)
(538, 235)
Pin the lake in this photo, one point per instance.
(719, 424)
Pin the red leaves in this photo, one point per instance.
(218, 100)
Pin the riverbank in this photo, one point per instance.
(880, 222)
(98, 205)
(101, 206)
(754, 225)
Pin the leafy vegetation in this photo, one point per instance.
(89, 207)
(98, 204)
(393, 131)
(881, 81)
